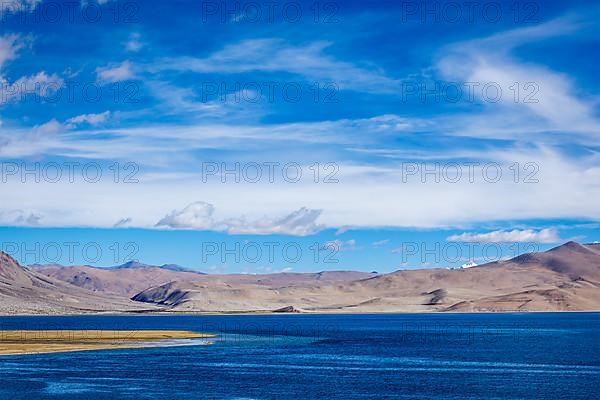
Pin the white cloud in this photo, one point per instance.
(301, 222)
(90, 119)
(343, 229)
(544, 236)
(19, 218)
(48, 128)
(338, 245)
(163, 181)
(15, 6)
(177, 100)
(381, 243)
(86, 3)
(309, 61)
(9, 46)
(44, 86)
(151, 140)
(134, 43)
(200, 216)
(115, 73)
(550, 103)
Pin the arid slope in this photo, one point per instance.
(566, 278)
(123, 281)
(23, 291)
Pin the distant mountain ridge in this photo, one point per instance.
(565, 278)
(169, 267)
(128, 265)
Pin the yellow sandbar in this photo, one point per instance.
(58, 341)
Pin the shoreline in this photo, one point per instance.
(262, 313)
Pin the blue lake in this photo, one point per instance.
(423, 356)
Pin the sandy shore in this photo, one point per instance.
(59, 341)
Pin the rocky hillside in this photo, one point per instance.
(23, 291)
(124, 280)
(565, 278)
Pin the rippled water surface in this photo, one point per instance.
(428, 356)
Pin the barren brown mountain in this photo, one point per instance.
(133, 278)
(125, 281)
(23, 291)
(566, 278)
(562, 279)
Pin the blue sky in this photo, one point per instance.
(432, 123)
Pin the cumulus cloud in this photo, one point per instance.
(115, 73)
(543, 236)
(44, 85)
(200, 216)
(19, 218)
(301, 222)
(90, 119)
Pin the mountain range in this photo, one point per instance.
(565, 278)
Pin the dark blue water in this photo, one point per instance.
(430, 356)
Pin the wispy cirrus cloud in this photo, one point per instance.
(380, 243)
(534, 99)
(431, 204)
(369, 143)
(309, 61)
(338, 245)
